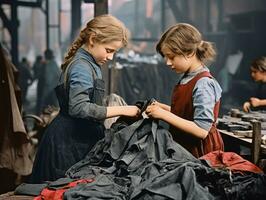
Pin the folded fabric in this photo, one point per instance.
(30, 189)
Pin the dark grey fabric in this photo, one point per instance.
(250, 186)
(128, 153)
(141, 161)
(30, 189)
(104, 187)
(59, 183)
(170, 180)
(134, 146)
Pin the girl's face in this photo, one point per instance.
(257, 75)
(103, 52)
(178, 63)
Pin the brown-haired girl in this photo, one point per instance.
(79, 124)
(258, 74)
(196, 98)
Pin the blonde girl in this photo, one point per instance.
(79, 124)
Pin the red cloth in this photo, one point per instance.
(230, 160)
(52, 194)
(182, 106)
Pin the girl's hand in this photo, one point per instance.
(246, 106)
(161, 105)
(154, 111)
(156, 103)
(255, 102)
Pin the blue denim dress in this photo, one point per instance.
(78, 126)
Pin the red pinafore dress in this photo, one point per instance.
(182, 106)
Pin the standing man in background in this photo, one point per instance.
(25, 78)
(48, 79)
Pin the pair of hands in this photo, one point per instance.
(154, 110)
(254, 102)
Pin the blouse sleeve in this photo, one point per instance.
(80, 84)
(205, 94)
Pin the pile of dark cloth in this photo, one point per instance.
(139, 160)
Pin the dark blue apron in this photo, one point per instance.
(67, 140)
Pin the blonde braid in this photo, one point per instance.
(73, 49)
(82, 38)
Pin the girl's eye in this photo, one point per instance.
(170, 57)
(109, 50)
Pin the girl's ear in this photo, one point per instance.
(91, 39)
(191, 54)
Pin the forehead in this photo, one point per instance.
(113, 45)
(166, 51)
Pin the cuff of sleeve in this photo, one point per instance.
(99, 113)
(103, 112)
(204, 124)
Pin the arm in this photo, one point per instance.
(80, 88)
(256, 102)
(187, 126)
(206, 92)
(162, 105)
(130, 111)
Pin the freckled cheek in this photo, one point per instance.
(102, 56)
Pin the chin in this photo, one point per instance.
(102, 63)
(178, 72)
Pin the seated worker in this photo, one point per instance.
(258, 74)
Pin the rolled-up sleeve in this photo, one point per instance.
(80, 88)
(205, 94)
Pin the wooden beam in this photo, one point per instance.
(6, 21)
(75, 18)
(178, 13)
(256, 141)
(101, 7)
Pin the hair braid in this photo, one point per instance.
(81, 39)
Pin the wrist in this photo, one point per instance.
(164, 115)
(256, 104)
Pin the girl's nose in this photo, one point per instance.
(168, 62)
(110, 56)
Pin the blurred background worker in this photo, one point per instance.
(258, 74)
(47, 80)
